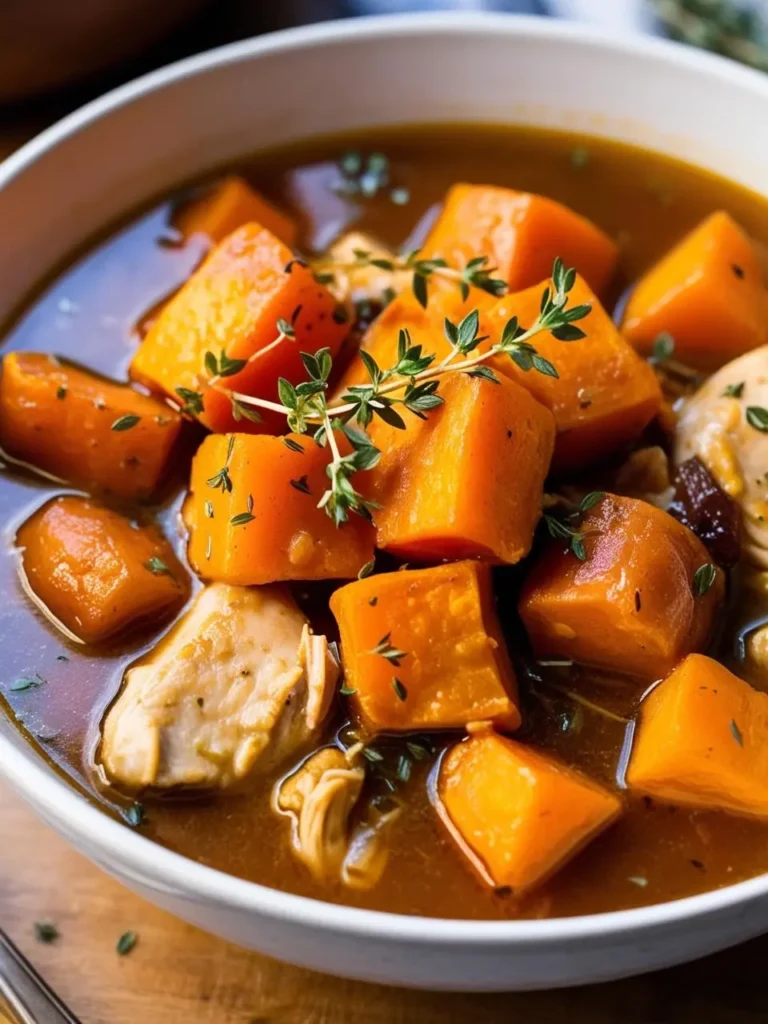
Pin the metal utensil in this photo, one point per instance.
(24, 996)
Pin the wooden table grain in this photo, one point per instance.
(178, 974)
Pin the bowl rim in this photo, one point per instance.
(157, 867)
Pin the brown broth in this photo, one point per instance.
(89, 314)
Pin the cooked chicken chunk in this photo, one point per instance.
(240, 683)
(715, 425)
(319, 798)
(365, 282)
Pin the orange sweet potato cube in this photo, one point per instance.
(521, 234)
(232, 304)
(252, 513)
(702, 741)
(630, 606)
(84, 429)
(424, 325)
(604, 394)
(467, 482)
(422, 649)
(225, 207)
(708, 293)
(95, 572)
(517, 814)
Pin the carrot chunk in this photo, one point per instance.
(702, 741)
(228, 205)
(521, 234)
(252, 513)
(232, 305)
(604, 394)
(708, 293)
(95, 572)
(466, 482)
(630, 606)
(84, 429)
(422, 649)
(516, 814)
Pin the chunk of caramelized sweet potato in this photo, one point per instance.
(96, 572)
(702, 741)
(72, 424)
(466, 482)
(604, 394)
(225, 207)
(425, 327)
(518, 815)
(708, 293)
(232, 303)
(252, 514)
(630, 606)
(521, 234)
(422, 649)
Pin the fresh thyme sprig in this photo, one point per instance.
(413, 383)
(476, 273)
(568, 527)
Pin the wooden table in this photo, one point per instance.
(177, 973)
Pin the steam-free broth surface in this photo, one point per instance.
(92, 314)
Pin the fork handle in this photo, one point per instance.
(25, 992)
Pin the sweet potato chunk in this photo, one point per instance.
(521, 234)
(232, 303)
(95, 572)
(702, 741)
(84, 429)
(425, 327)
(252, 514)
(708, 293)
(630, 606)
(604, 394)
(228, 205)
(517, 814)
(422, 649)
(466, 482)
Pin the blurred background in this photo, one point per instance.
(54, 55)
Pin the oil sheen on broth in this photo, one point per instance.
(90, 314)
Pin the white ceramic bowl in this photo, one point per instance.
(142, 139)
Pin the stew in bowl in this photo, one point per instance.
(387, 523)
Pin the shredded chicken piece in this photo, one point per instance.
(365, 282)
(368, 851)
(319, 798)
(714, 426)
(645, 475)
(239, 683)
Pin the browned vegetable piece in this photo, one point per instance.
(706, 509)
(84, 429)
(95, 572)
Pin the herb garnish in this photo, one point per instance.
(127, 422)
(301, 485)
(385, 650)
(222, 478)
(135, 814)
(737, 733)
(347, 691)
(566, 528)
(400, 691)
(157, 567)
(126, 943)
(61, 391)
(412, 382)
(663, 348)
(703, 578)
(757, 417)
(46, 932)
(367, 569)
(26, 683)
(244, 517)
(293, 445)
(734, 390)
